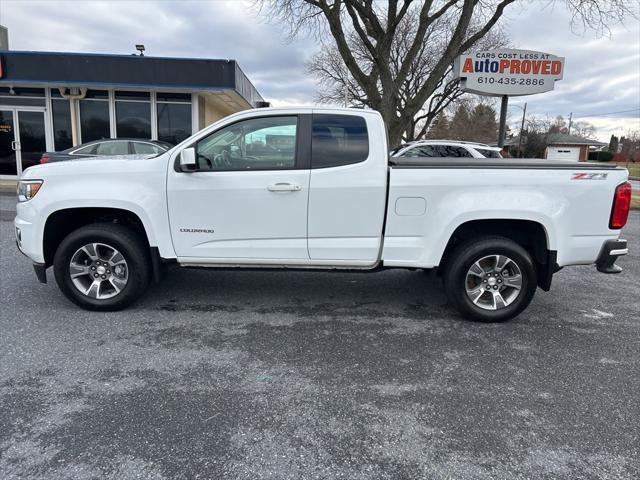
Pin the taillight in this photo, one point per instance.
(621, 205)
(44, 159)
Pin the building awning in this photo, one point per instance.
(125, 71)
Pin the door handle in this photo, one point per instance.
(284, 187)
(15, 146)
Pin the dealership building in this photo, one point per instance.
(53, 101)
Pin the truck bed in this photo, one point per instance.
(499, 163)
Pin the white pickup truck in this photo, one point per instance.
(314, 188)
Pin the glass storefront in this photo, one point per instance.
(61, 114)
(8, 165)
(23, 138)
(32, 135)
(133, 114)
(174, 117)
(94, 116)
(36, 120)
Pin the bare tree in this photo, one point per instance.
(583, 129)
(337, 86)
(376, 25)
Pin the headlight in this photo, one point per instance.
(27, 189)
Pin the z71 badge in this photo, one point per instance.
(589, 176)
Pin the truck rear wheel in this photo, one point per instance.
(102, 266)
(490, 279)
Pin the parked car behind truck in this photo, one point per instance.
(446, 148)
(313, 188)
(109, 147)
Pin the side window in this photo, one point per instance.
(457, 152)
(338, 140)
(113, 148)
(441, 151)
(146, 148)
(267, 143)
(426, 151)
(89, 150)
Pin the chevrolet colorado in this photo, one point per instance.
(314, 188)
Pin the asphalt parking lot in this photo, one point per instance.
(289, 375)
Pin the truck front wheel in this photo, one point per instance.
(102, 266)
(490, 279)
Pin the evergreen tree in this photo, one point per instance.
(439, 128)
(483, 125)
(460, 123)
(613, 144)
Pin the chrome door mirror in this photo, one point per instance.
(188, 160)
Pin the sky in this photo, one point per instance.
(602, 73)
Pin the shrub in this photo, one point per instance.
(603, 156)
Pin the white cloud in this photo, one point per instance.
(221, 29)
(602, 75)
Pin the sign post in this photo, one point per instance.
(508, 72)
(504, 105)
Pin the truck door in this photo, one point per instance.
(247, 199)
(348, 187)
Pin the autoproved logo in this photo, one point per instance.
(589, 176)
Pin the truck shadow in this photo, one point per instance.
(305, 294)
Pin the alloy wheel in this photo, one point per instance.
(493, 282)
(98, 271)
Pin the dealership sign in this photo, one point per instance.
(508, 72)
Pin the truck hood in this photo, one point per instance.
(78, 166)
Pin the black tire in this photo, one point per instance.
(466, 254)
(124, 240)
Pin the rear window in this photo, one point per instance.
(147, 148)
(338, 140)
(88, 150)
(113, 148)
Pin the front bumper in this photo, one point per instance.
(611, 250)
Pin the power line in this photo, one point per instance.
(606, 113)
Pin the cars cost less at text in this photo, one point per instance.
(314, 188)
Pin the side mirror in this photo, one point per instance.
(188, 160)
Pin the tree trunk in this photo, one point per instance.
(396, 127)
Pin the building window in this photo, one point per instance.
(174, 117)
(61, 124)
(94, 115)
(133, 114)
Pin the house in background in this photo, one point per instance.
(561, 146)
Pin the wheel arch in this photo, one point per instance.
(62, 222)
(529, 234)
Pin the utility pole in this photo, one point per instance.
(570, 117)
(524, 113)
